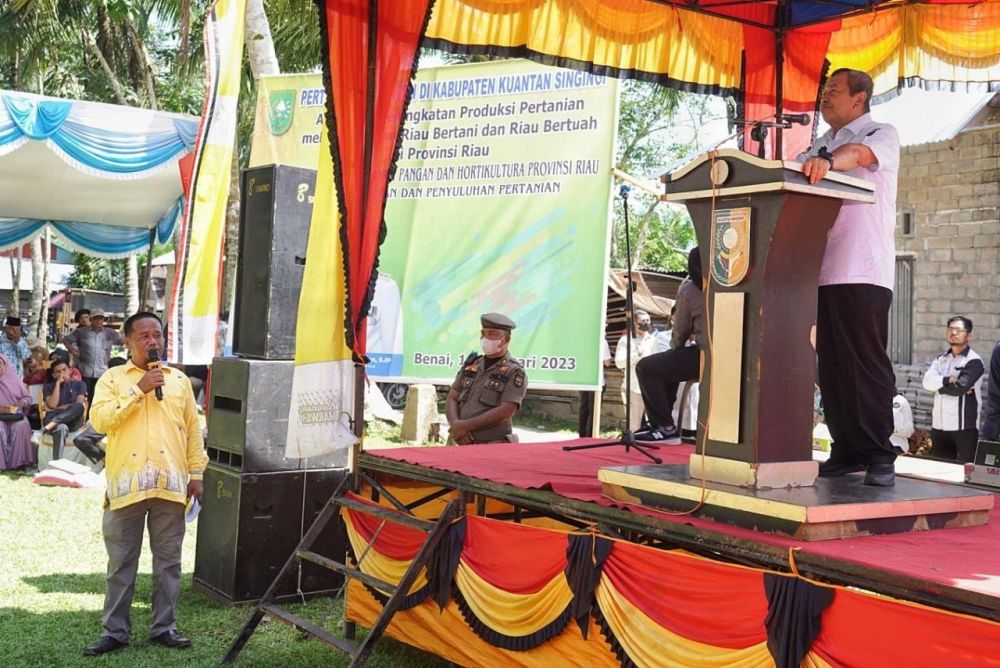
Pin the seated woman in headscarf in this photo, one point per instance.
(65, 404)
(15, 433)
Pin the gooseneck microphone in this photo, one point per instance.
(153, 362)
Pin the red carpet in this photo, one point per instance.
(964, 558)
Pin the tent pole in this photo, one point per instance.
(783, 19)
(144, 292)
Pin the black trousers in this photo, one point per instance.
(659, 377)
(66, 420)
(855, 374)
(91, 384)
(959, 445)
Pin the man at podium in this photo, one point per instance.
(855, 283)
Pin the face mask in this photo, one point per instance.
(646, 326)
(490, 346)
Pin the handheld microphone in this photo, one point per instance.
(153, 362)
(799, 119)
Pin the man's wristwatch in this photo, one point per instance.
(826, 155)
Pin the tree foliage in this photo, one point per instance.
(657, 127)
(94, 273)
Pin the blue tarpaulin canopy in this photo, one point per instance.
(101, 176)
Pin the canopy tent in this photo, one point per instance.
(772, 55)
(102, 176)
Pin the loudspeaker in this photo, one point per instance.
(248, 417)
(275, 210)
(251, 523)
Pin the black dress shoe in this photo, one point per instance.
(103, 646)
(172, 639)
(881, 475)
(832, 469)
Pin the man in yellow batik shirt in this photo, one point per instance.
(155, 462)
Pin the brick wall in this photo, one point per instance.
(952, 191)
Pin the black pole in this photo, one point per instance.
(144, 292)
(628, 438)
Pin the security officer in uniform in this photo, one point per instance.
(489, 388)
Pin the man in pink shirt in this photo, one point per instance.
(856, 279)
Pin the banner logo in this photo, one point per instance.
(731, 250)
(281, 105)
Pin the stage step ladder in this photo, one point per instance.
(357, 652)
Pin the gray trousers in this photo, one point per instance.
(123, 539)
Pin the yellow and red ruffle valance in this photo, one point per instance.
(516, 588)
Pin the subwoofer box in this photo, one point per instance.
(251, 523)
(275, 210)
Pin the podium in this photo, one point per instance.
(762, 230)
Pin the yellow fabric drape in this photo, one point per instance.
(194, 303)
(813, 660)
(931, 42)
(649, 644)
(322, 402)
(513, 614)
(378, 565)
(631, 35)
(446, 634)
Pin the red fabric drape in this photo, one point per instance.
(363, 149)
(513, 557)
(858, 628)
(396, 541)
(706, 601)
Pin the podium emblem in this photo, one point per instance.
(731, 247)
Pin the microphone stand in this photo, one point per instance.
(628, 438)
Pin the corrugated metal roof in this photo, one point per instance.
(924, 117)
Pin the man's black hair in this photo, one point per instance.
(965, 321)
(79, 314)
(141, 315)
(858, 82)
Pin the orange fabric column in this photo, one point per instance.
(370, 49)
(805, 54)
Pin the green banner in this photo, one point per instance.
(500, 202)
(290, 114)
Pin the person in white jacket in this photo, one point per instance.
(956, 377)
(643, 344)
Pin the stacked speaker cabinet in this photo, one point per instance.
(258, 503)
(275, 210)
(251, 524)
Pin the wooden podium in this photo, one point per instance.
(762, 232)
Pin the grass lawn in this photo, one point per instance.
(52, 565)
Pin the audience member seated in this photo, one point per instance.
(88, 442)
(38, 371)
(65, 405)
(15, 433)
(661, 374)
(35, 366)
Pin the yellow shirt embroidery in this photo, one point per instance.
(154, 447)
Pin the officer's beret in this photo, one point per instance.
(496, 321)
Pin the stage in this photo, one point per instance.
(528, 495)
